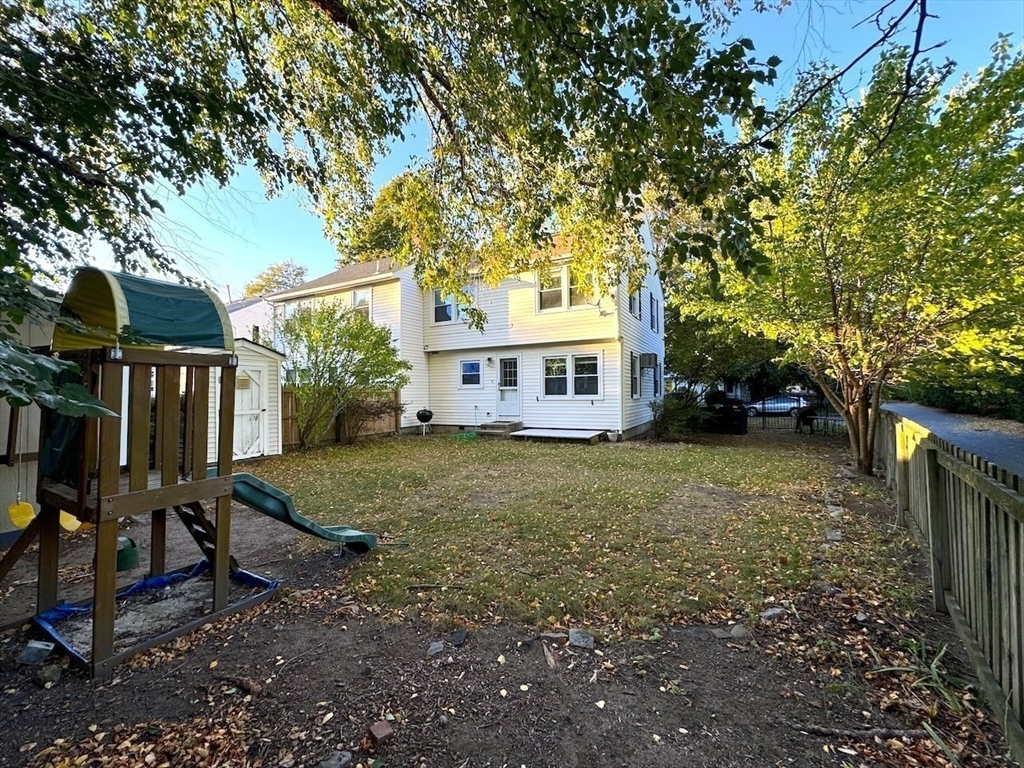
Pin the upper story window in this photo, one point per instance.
(447, 309)
(444, 308)
(361, 302)
(559, 288)
(654, 313)
(580, 292)
(549, 289)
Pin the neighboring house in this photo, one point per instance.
(251, 319)
(550, 356)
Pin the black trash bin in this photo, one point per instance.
(726, 415)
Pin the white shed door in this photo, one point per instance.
(250, 411)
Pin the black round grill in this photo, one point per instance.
(424, 415)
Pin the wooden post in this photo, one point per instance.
(201, 423)
(938, 530)
(190, 404)
(49, 546)
(225, 447)
(169, 415)
(105, 580)
(902, 475)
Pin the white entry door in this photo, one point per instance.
(250, 412)
(508, 387)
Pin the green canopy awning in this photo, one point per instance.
(141, 312)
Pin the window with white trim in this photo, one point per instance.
(556, 376)
(361, 302)
(549, 289)
(634, 375)
(572, 376)
(444, 308)
(657, 379)
(558, 288)
(580, 291)
(654, 313)
(586, 378)
(632, 303)
(471, 373)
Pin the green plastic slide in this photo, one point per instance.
(273, 502)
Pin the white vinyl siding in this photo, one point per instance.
(466, 407)
(415, 394)
(639, 338)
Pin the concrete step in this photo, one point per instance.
(508, 426)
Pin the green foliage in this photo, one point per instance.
(900, 230)
(704, 351)
(676, 415)
(27, 378)
(338, 359)
(545, 116)
(276, 277)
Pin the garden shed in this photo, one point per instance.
(257, 401)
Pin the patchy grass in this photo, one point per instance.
(618, 537)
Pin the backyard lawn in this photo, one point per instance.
(617, 537)
(670, 554)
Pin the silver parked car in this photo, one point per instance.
(778, 404)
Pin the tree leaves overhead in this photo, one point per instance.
(544, 117)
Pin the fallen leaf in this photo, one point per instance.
(327, 717)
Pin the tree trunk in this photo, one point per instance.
(859, 413)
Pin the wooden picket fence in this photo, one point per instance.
(336, 432)
(968, 516)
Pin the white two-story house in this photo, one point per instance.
(551, 356)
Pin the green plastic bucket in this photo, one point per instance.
(127, 553)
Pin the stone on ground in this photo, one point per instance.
(580, 639)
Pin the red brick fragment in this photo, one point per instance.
(380, 731)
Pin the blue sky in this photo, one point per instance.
(228, 236)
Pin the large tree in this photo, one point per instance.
(900, 229)
(276, 277)
(543, 115)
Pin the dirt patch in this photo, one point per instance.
(701, 500)
(152, 612)
(683, 699)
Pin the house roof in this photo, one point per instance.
(363, 271)
(234, 306)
